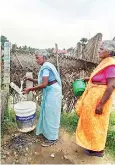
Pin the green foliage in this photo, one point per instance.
(9, 121)
(84, 41)
(112, 119)
(69, 121)
(70, 49)
(25, 47)
(14, 46)
(110, 143)
(49, 50)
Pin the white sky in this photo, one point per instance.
(42, 23)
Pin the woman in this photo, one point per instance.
(93, 107)
(49, 81)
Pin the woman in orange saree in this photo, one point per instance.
(93, 108)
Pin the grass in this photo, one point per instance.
(110, 143)
(9, 121)
(69, 122)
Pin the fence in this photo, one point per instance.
(78, 65)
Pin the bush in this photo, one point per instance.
(9, 121)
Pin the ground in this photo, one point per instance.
(25, 148)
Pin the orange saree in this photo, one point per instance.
(92, 128)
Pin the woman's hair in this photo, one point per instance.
(42, 52)
(109, 46)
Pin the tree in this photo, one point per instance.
(49, 50)
(29, 48)
(20, 48)
(14, 46)
(83, 41)
(25, 47)
(70, 49)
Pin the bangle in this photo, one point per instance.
(101, 103)
(32, 89)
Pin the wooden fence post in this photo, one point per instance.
(57, 59)
(82, 74)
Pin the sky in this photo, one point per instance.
(42, 23)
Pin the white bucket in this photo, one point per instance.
(25, 115)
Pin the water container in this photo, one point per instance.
(25, 115)
(78, 87)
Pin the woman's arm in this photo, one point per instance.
(109, 90)
(35, 80)
(41, 86)
(106, 95)
(86, 79)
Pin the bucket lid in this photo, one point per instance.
(25, 105)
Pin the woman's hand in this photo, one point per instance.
(27, 78)
(26, 90)
(99, 109)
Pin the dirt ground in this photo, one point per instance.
(25, 148)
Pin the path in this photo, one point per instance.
(20, 148)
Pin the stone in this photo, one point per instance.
(65, 157)
(36, 153)
(7, 153)
(15, 153)
(52, 155)
(4, 156)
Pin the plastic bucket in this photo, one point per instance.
(25, 115)
(78, 87)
